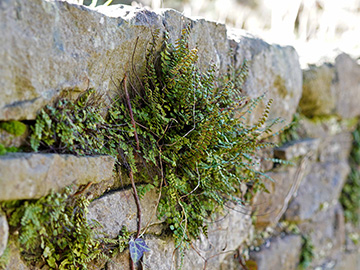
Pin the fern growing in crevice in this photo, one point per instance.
(183, 123)
(186, 121)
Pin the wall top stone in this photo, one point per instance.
(52, 47)
(332, 88)
(31, 176)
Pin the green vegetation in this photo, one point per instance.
(13, 127)
(53, 231)
(180, 122)
(307, 253)
(4, 150)
(350, 196)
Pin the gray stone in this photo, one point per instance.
(332, 88)
(281, 253)
(273, 70)
(319, 188)
(269, 207)
(4, 232)
(31, 176)
(297, 149)
(63, 47)
(326, 229)
(347, 83)
(225, 236)
(118, 209)
(349, 261)
(335, 148)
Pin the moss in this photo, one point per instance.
(11, 149)
(13, 127)
(279, 83)
(2, 149)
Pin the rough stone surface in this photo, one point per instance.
(118, 209)
(280, 253)
(269, 207)
(50, 47)
(297, 149)
(332, 88)
(349, 261)
(347, 84)
(329, 178)
(273, 70)
(30, 176)
(326, 229)
(225, 236)
(318, 91)
(4, 232)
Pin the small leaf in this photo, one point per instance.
(137, 248)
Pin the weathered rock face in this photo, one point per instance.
(30, 176)
(4, 232)
(332, 88)
(119, 209)
(280, 253)
(273, 70)
(72, 48)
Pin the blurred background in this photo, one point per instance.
(318, 29)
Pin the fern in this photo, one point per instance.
(191, 128)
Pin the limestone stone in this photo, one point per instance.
(319, 188)
(52, 46)
(326, 229)
(118, 209)
(4, 232)
(225, 236)
(280, 253)
(318, 96)
(349, 261)
(332, 88)
(33, 175)
(269, 207)
(347, 83)
(273, 70)
(297, 149)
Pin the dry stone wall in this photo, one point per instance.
(52, 47)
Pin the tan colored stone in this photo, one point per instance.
(31, 176)
(318, 97)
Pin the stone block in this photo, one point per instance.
(297, 149)
(319, 188)
(332, 88)
(4, 232)
(281, 253)
(118, 209)
(73, 48)
(326, 229)
(33, 175)
(273, 70)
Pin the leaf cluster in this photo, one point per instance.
(188, 128)
(53, 230)
(307, 252)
